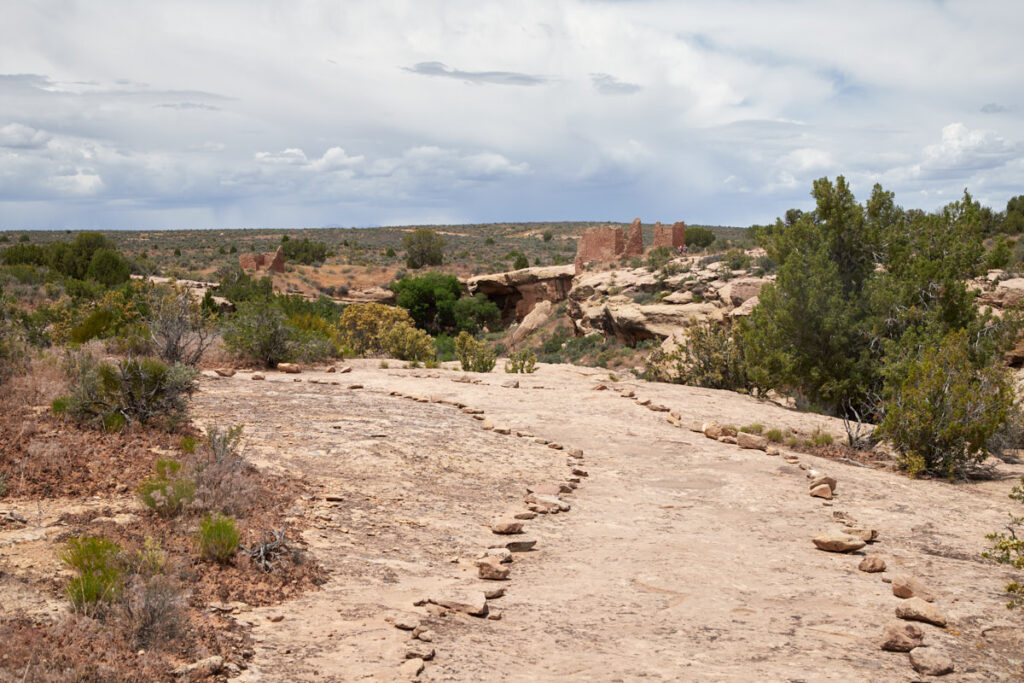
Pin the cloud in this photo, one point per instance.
(492, 77)
(186, 105)
(995, 108)
(16, 135)
(609, 85)
(962, 149)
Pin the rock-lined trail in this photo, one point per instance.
(656, 552)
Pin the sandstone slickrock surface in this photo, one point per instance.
(689, 558)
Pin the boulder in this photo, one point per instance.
(204, 668)
(469, 602)
(872, 564)
(838, 542)
(753, 441)
(507, 526)
(712, 430)
(826, 480)
(931, 662)
(822, 491)
(901, 636)
(916, 609)
(290, 368)
(492, 568)
(534, 319)
(225, 372)
(904, 586)
(411, 668)
(746, 308)
(739, 290)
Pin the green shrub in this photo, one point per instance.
(218, 537)
(444, 347)
(524, 361)
(699, 238)
(946, 410)
(423, 247)
(258, 331)
(658, 257)
(473, 355)
(169, 490)
(406, 342)
(304, 251)
(774, 435)
(187, 444)
(711, 356)
(1008, 548)
(100, 573)
(754, 428)
(363, 327)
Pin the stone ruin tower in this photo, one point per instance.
(272, 261)
(609, 243)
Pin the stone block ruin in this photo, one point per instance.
(607, 243)
(272, 261)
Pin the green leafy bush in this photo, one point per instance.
(100, 572)
(774, 435)
(473, 355)
(435, 302)
(946, 409)
(217, 540)
(658, 257)
(753, 428)
(1008, 548)
(524, 361)
(169, 490)
(699, 238)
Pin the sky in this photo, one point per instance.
(304, 113)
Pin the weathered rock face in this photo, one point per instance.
(532, 321)
(740, 290)
(270, 261)
(517, 292)
(379, 295)
(630, 323)
(672, 236)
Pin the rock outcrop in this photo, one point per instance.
(518, 291)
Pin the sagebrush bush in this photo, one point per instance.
(169, 490)
(100, 577)
(218, 537)
(225, 482)
(179, 328)
(473, 355)
(524, 361)
(132, 390)
(774, 435)
(946, 410)
(363, 328)
(1008, 548)
(152, 613)
(753, 428)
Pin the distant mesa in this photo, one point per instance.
(608, 243)
(272, 261)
